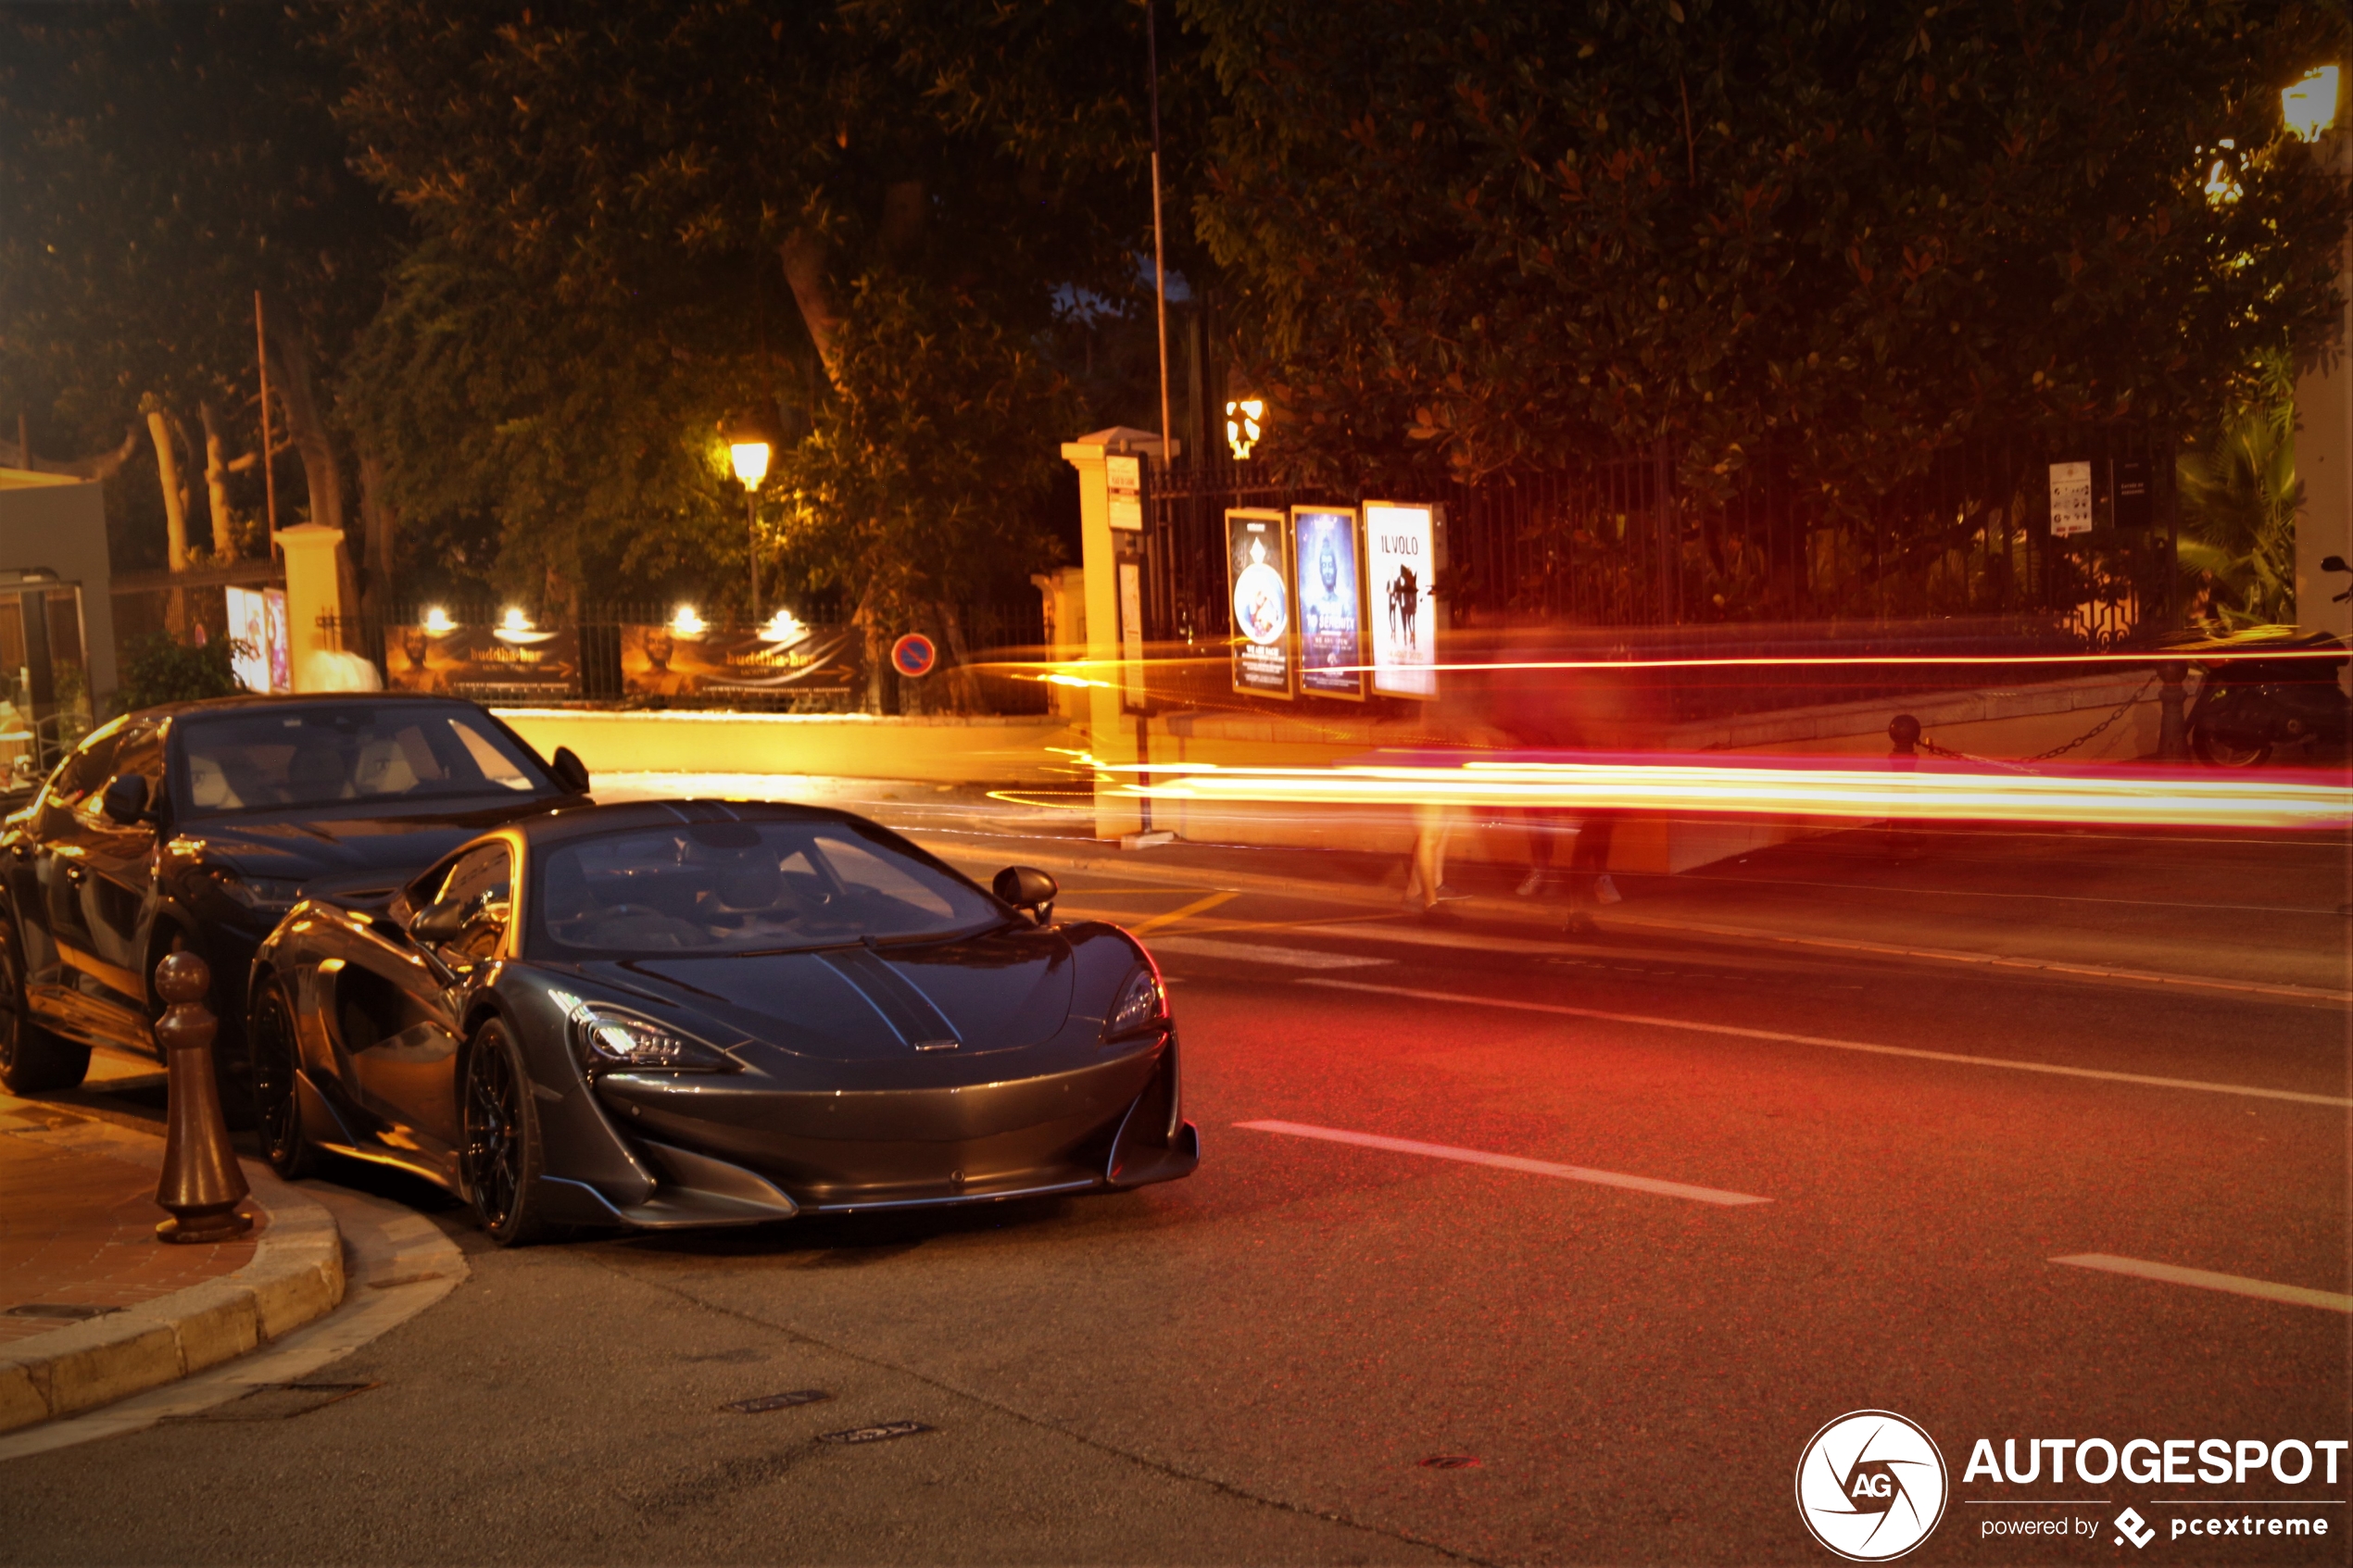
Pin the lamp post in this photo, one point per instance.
(748, 445)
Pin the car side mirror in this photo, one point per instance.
(1027, 889)
(125, 800)
(445, 922)
(570, 771)
(2334, 563)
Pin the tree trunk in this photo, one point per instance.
(216, 481)
(379, 520)
(298, 395)
(175, 499)
(902, 218)
(98, 465)
(882, 689)
(805, 256)
(964, 681)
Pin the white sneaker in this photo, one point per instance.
(1531, 885)
(1606, 891)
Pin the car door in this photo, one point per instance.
(397, 1027)
(63, 981)
(118, 886)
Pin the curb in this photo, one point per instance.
(1550, 917)
(295, 1278)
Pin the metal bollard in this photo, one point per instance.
(1903, 732)
(202, 1183)
(2172, 726)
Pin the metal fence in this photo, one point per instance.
(1622, 544)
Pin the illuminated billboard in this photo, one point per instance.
(1329, 605)
(1402, 559)
(1258, 584)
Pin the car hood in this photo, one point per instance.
(1000, 991)
(328, 850)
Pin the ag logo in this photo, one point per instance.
(1871, 1485)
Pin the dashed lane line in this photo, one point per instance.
(2053, 1069)
(2205, 1279)
(1507, 1162)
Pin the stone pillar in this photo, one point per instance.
(1114, 737)
(314, 589)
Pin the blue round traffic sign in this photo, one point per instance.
(913, 655)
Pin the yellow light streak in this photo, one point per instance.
(1805, 790)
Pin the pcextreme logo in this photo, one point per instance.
(1871, 1485)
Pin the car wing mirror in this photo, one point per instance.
(570, 771)
(2334, 563)
(125, 800)
(436, 923)
(1027, 889)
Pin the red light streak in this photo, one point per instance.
(1780, 786)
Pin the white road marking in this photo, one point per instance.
(1255, 952)
(1507, 1162)
(2249, 1090)
(2237, 1285)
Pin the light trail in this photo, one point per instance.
(1773, 788)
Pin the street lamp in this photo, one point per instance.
(749, 442)
(1243, 417)
(2309, 106)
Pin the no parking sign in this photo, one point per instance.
(913, 655)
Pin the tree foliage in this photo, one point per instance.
(163, 668)
(646, 217)
(1516, 233)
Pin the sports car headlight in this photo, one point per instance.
(264, 894)
(609, 1041)
(1142, 1007)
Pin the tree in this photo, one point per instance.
(1480, 235)
(160, 163)
(644, 217)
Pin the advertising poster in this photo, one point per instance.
(1257, 573)
(1401, 558)
(510, 659)
(257, 623)
(1330, 603)
(782, 656)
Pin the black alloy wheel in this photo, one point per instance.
(276, 1098)
(2221, 748)
(501, 1156)
(32, 1061)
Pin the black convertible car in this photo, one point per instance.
(672, 1014)
(198, 824)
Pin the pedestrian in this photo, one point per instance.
(1454, 724)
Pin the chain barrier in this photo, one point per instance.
(2138, 695)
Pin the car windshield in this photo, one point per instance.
(739, 887)
(269, 759)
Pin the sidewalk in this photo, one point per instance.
(93, 1307)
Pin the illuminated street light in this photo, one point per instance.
(750, 443)
(2309, 106)
(1242, 430)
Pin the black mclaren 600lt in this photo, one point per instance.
(669, 1014)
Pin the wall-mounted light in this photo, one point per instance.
(1242, 426)
(515, 619)
(438, 622)
(687, 622)
(2309, 106)
(782, 627)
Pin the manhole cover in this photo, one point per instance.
(777, 1401)
(73, 1312)
(283, 1401)
(881, 1433)
(1449, 1462)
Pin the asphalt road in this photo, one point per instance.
(1620, 1354)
